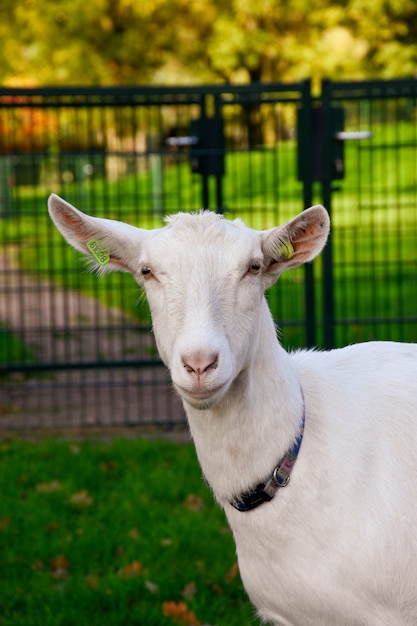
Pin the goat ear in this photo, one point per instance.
(106, 243)
(296, 242)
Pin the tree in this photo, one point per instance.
(280, 40)
(183, 41)
(99, 41)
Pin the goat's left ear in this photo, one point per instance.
(294, 243)
(109, 245)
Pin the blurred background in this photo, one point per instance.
(257, 109)
(172, 42)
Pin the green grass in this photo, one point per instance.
(12, 349)
(108, 533)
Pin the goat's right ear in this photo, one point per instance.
(295, 243)
(109, 245)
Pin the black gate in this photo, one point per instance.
(75, 350)
(371, 262)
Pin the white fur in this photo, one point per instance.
(338, 545)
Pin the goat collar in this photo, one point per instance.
(280, 477)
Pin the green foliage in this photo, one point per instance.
(114, 533)
(12, 350)
(177, 41)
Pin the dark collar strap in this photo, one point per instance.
(280, 477)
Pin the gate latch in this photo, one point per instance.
(321, 143)
(353, 135)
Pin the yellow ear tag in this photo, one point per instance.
(286, 250)
(94, 245)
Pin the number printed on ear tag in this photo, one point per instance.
(94, 245)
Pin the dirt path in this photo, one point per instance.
(61, 326)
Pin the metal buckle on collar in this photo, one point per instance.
(283, 479)
(280, 477)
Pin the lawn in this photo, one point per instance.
(119, 532)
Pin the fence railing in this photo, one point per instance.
(75, 350)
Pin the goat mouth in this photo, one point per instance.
(200, 395)
(201, 398)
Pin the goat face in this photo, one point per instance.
(204, 278)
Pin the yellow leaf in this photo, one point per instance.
(49, 487)
(166, 541)
(81, 499)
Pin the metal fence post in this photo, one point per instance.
(327, 255)
(218, 112)
(305, 161)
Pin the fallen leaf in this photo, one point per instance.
(49, 487)
(178, 612)
(232, 573)
(200, 564)
(166, 541)
(152, 587)
(134, 533)
(194, 503)
(81, 499)
(58, 567)
(38, 565)
(132, 570)
(189, 591)
(91, 581)
(215, 588)
(4, 523)
(108, 466)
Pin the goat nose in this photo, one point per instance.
(200, 364)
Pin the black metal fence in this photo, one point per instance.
(75, 350)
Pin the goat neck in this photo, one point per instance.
(240, 440)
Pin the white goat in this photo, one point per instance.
(338, 546)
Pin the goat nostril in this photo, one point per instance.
(213, 365)
(199, 365)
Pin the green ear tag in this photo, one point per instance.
(286, 250)
(94, 245)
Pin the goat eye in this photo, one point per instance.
(254, 268)
(146, 272)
